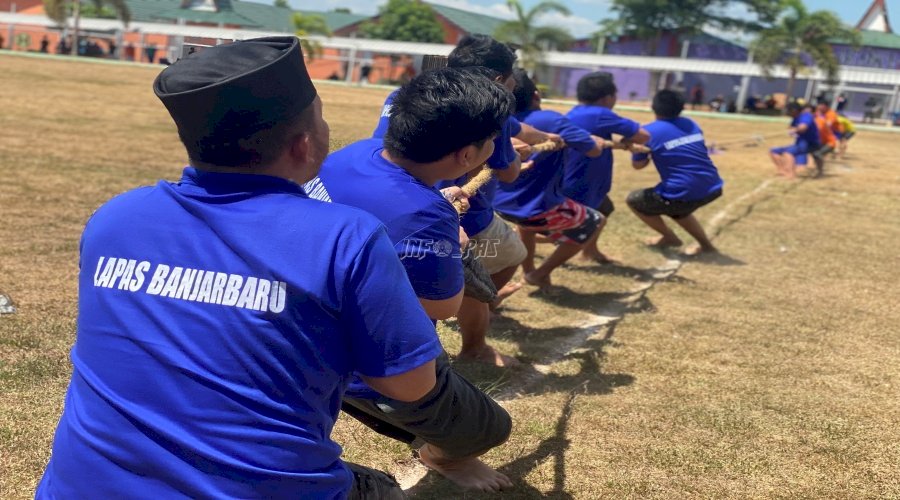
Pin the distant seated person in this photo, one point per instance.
(716, 103)
(535, 201)
(872, 109)
(751, 104)
(688, 178)
(803, 127)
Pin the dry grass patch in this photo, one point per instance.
(775, 375)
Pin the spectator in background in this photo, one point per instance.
(112, 48)
(150, 52)
(696, 96)
(44, 44)
(872, 109)
(364, 73)
(840, 103)
(751, 103)
(408, 73)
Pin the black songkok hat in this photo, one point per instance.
(226, 93)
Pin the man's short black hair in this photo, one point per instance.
(221, 149)
(594, 86)
(445, 110)
(482, 50)
(525, 89)
(668, 104)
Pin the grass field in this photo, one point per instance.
(774, 372)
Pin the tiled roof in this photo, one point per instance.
(337, 20)
(253, 15)
(470, 22)
(877, 39)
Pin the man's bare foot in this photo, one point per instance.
(489, 355)
(504, 293)
(597, 257)
(540, 281)
(664, 241)
(696, 250)
(467, 473)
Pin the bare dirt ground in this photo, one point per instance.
(773, 371)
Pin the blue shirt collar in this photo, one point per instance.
(224, 183)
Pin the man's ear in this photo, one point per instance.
(300, 149)
(467, 156)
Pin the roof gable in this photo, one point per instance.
(875, 18)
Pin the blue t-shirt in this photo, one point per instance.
(481, 205)
(811, 135)
(220, 319)
(481, 211)
(680, 155)
(540, 188)
(588, 180)
(421, 224)
(385, 118)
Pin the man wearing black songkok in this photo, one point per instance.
(220, 317)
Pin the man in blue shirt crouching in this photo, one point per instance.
(688, 178)
(221, 317)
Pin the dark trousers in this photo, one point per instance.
(456, 417)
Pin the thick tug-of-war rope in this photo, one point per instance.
(550, 146)
(478, 282)
(472, 187)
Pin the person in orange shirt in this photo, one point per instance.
(826, 136)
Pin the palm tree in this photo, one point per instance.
(798, 37)
(59, 10)
(534, 40)
(307, 25)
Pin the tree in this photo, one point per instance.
(60, 10)
(306, 26)
(405, 21)
(533, 40)
(800, 37)
(649, 19)
(281, 4)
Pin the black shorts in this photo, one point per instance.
(606, 206)
(649, 202)
(455, 416)
(822, 151)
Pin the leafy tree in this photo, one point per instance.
(60, 10)
(649, 19)
(343, 10)
(282, 4)
(306, 26)
(801, 36)
(405, 21)
(533, 40)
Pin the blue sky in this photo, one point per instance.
(586, 13)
